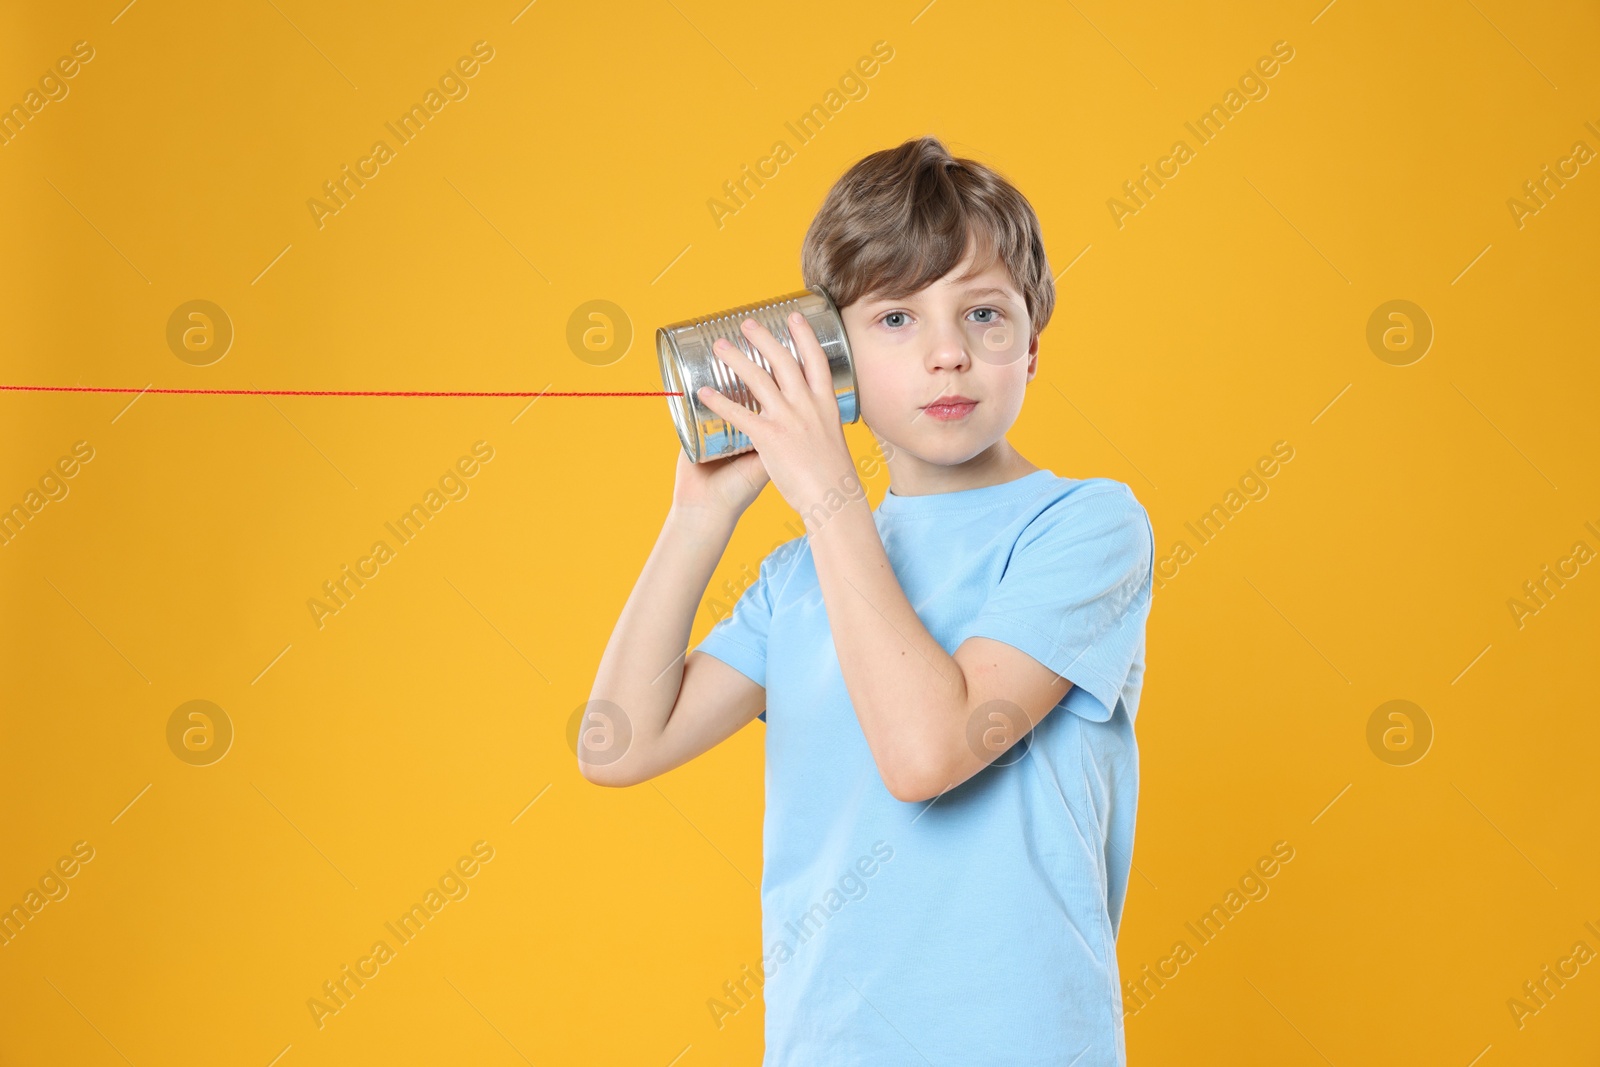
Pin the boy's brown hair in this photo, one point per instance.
(902, 218)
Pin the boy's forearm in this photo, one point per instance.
(642, 666)
(909, 694)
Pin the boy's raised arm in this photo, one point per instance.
(644, 680)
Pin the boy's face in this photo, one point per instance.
(969, 339)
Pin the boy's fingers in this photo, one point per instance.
(754, 376)
(729, 412)
(814, 363)
(755, 470)
(784, 368)
(813, 360)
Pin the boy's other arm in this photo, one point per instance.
(918, 705)
(672, 707)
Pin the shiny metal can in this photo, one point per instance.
(688, 363)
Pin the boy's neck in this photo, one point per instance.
(915, 477)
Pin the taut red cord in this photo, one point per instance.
(300, 392)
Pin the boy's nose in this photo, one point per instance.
(948, 350)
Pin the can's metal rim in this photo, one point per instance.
(849, 353)
(681, 407)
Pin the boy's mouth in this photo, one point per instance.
(950, 408)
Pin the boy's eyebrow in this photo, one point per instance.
(988, 290)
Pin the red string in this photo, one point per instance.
(299, 392)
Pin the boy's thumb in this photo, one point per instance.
(752, 470)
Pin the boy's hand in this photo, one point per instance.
(797, 434)
(720, 490)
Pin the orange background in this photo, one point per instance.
(370, 754)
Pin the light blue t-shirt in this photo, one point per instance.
(979, 927)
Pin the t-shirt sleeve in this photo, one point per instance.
(740, 639)
(1075, 595)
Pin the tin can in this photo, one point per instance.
(688, 363)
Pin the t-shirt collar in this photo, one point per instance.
(961, 499)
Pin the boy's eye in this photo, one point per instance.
(893, 318)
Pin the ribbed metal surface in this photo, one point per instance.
(688, 362)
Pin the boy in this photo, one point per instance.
(949, 681)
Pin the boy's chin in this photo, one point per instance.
(947, 453)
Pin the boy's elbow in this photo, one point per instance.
(913, 793)
(923, 773)
(592, 774)
(605, 774)
(607, 750)
(913, 781)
